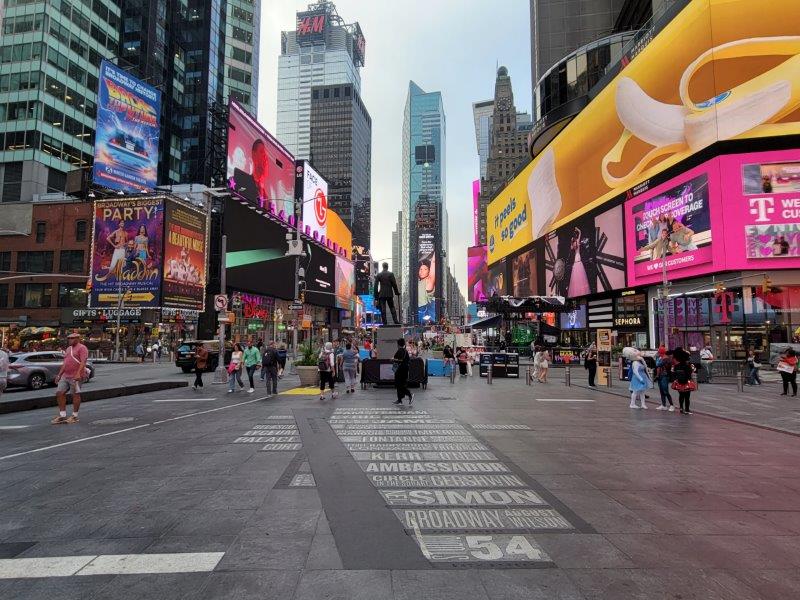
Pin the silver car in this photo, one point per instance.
(36, 370)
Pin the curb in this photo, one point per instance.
(13, 405)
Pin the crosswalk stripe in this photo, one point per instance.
(109, 564)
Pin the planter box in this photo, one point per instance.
(308, 375)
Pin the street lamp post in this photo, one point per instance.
(220, 373)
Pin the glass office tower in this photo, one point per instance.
(424, 133)
(50, 53)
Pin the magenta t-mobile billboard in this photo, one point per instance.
(734, 212)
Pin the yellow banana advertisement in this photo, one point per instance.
(720, 70)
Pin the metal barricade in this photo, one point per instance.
(529, 376)
(489, 375)
(567, 376)
(740, 381)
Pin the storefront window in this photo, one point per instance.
(71, 295)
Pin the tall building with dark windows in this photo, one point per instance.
(341, 150)
(197, 53)
(50, 55)
(322, 50)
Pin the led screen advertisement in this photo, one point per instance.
(260, 169)
(426, 277)
(673, 224)
(127, 247)
(586, 256)
(720, 70)
(575, 319)
(477, 274)
(127, 132)
(185, 248)
(345, 283)
(318, 220)
(523, 274)
(257, 263)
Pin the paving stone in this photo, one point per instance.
(442, 585)
(255, 585)
(323, 554)
(163, 585)
(533, 584)
(576, 551)
(345, 585)
(254, 551)
(194, 523)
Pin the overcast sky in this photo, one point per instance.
(452, 46)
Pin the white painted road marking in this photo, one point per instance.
(187, 400)
(564, 400)
(10, 427)
(110, 564)
(94, 437)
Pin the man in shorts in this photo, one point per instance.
(69, 378)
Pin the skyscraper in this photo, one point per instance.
(50, 54)
(424, 235)
(482, 114)
(507, 145)
(341, 150)
(321, 51)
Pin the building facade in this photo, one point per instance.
(508, 147)
(321, 51)
(558, 27)
(44, 263)
(341, 150)
(482, 114)
(50, 54)
(423, 180)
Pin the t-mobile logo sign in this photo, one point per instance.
(762, 208)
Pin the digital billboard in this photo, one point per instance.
(731, 226)
(523, 274)
(476, 212)
(127, 252)
(672, 224)
(719, 70)
(345, 283)
(575, 319)
(127, 131)
(260, 169)
(426, 277)
(477, 274)
(586, 256)
(256, 258)
(498, 280)
(185, 253)
(319, 221)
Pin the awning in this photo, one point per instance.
(487, 323)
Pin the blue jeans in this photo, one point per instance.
(753, 377)
(232, 377)
(663, 387)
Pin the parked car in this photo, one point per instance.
(184, 355)
(36, 370)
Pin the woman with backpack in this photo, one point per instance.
(326, 364)
(682, 371)
(663, 376)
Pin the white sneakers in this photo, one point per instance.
(661, 408)
(250, 391)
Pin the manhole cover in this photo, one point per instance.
(114, 421)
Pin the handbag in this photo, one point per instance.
(231, 368)
(785, 367)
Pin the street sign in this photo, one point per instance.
(221, 302)
(226, 317)
(296, 306)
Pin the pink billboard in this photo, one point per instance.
(762, 209)
(476, 212)
(734, 212)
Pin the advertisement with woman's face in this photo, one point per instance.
(260, 169)
(426, 278)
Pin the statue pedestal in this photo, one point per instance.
(386, 343)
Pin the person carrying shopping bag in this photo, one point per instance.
(235, 368)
